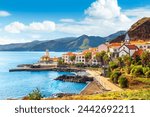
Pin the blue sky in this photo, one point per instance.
(28, 20)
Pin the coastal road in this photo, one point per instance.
(104, 81)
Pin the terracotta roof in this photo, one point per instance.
(138, 53)
(69, 54)
(115, 45)
(132, 47)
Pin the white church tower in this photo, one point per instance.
(127, 39)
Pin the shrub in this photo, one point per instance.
(147, 74)
(137, 71)
(35, 95)
(113, 65)
(108, 73)
(123, 82)
(115, 76)
(79, 64)
(145, 69)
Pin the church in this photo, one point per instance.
(127, 48)
(46, 60)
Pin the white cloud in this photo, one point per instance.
(105, 9)
(138, 12)
(67, 20)
(103, 17)
(17, 27)
(4, 13)
(47, 26)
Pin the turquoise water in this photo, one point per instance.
(19, 84)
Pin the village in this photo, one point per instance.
(114, 50)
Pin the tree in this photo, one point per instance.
(106, 59)
(145, 58)
(100, 55)
(88, 56)
(127, 60)
(60, 62)
(120, 62)
(72, 58)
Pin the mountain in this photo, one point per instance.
(63, 44)
(138, 31)
(115, 35)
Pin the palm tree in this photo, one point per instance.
(72, 58)
(106, 59)
(88, 56)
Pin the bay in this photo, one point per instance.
(19, 84)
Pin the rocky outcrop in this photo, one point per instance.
(78, 79)
(138, 31)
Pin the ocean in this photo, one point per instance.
(20, 84)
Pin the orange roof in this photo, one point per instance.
(138, 53)
(115, 45)
(69, 54)
(132, 47)
(90, 50)
(55, 59)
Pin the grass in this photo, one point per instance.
(124, 95)
(143, 80)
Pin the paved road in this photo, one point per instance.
(104, 81)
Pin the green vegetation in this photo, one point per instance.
(85, 44)
(115, 76)
(123, 82)
(88, 56)
(102, 57)
(72, 58)
(124, 70)
(113, 65)
(79, 65)
(35, 95)
(123, 95)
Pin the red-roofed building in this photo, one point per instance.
(127, 50)
(66, 57)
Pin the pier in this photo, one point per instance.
(59, 69)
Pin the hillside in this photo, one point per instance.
(63, 44)
(115, 35)
(138, 31)
(122, 95)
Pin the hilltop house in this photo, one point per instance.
(127, 50)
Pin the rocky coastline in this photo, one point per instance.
(75, 78)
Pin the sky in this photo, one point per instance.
(29, 20)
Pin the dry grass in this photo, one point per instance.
(123, 95)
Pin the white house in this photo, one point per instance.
(127, 50)
(66, 57)
(80, 58)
